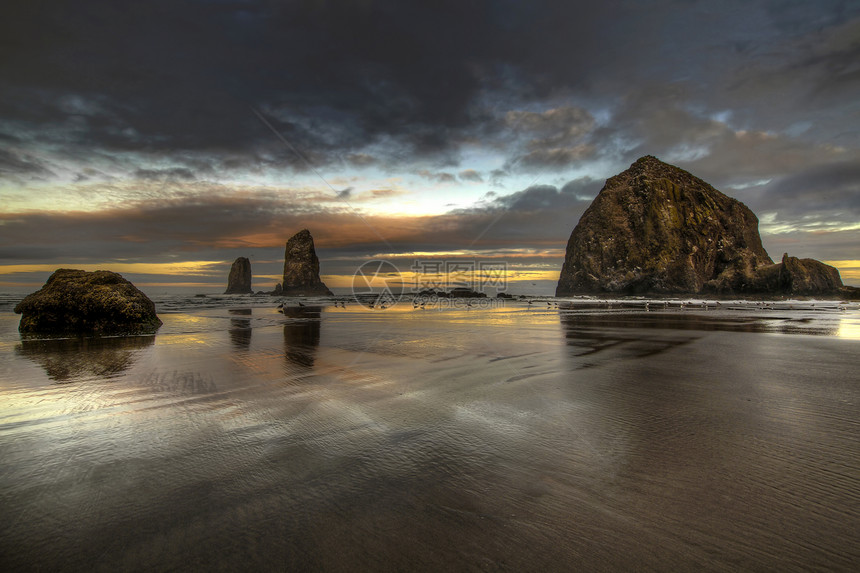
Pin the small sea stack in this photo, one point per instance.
(239, 280)
(87, 303)
(302, 268)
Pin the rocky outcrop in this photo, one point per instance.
(794, 276)
(656, 229)
(88, 303)
(239, 280)
(302, 268)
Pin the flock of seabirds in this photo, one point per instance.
(382, 303)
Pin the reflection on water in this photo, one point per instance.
(240, 328)
(797, 323)
(302, 335)
(849, 327)
(68, 359)
(508, 439)
(593, 339)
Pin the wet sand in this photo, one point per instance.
(507, 439)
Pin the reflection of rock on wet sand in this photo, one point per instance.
(240, 328)
(599, 338)
(70, 358)
(302, 334)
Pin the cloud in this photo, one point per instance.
(438, 177)
(558, 157)
(555, 126)
(20, 166)
(821, 199)
(361, 159)
(121, 105)
(470, 175)
(172, 174)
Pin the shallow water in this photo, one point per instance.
(512, 438)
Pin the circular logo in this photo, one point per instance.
(377, 284)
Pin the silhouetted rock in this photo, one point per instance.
(851, 293)
(657, 229)
(80, 302)
(302, 268)
(795, 276)
(239, 280)
(464, 292)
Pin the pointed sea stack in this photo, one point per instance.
(302, 267)
(239, 280)
(656, 229)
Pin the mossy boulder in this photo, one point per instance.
(87, 303)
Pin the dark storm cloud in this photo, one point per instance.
(828, 188)
(334, 78)
(21, 165)
(572, 196)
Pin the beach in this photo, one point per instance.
(503, 436)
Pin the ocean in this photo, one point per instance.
(479, 435)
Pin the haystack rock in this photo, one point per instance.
(656, 229)
(80, 302)
(302, 267)
(239, 280)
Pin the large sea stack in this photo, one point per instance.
(302, 267)
(84, 303)
(656, 229)
(239, 280)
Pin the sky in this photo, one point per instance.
(163, 139)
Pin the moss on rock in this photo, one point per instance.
(91, 303)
